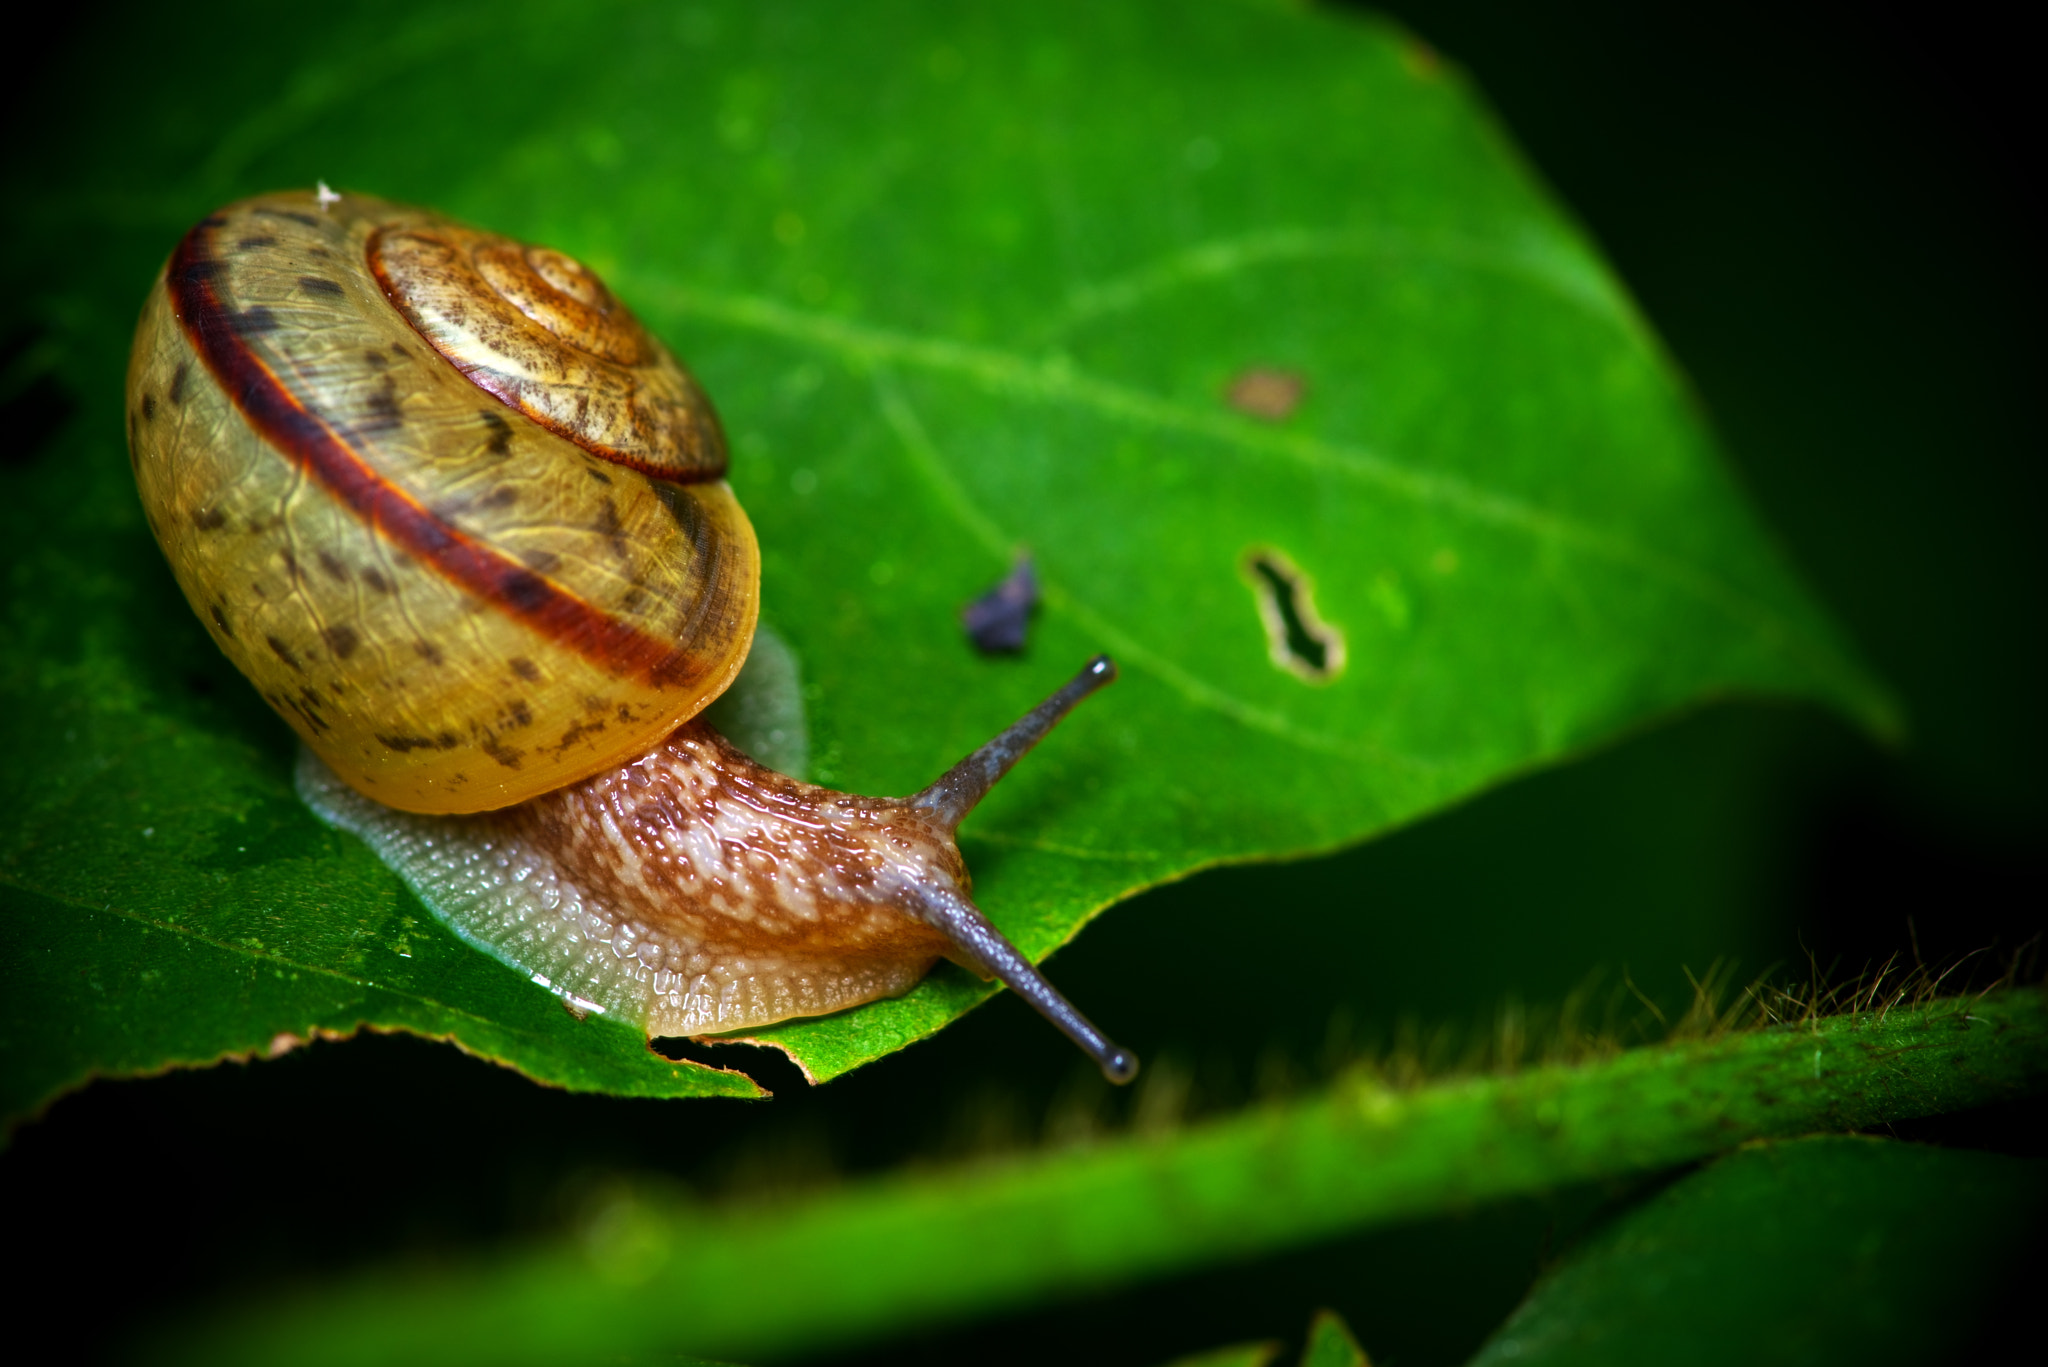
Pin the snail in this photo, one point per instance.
(463, 523)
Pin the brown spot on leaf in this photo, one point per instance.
(525, 668)
(429, 652)
(335, 569)
(341, 639)
(376, 580)
(313, 284)
(179, 378)
(220, 619)
(209, 519)
(1265, 393)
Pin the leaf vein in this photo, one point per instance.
(932, 465)
(1056, 381)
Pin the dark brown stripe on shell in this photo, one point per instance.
(218, 335)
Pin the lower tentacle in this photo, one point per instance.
(972, 934)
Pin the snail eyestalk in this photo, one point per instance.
(950, 800)
(965, 784)
(964, 924)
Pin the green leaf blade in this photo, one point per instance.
(1830, 1249)
(962, 284)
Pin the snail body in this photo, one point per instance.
(462, 522)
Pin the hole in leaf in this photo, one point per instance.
(771, 1069)
(1298, 639)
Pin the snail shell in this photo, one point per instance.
(461, 520)
(474, 575)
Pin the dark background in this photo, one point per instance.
(1822, 211)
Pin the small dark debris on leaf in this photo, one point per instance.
(1267, 393)
(997, 621)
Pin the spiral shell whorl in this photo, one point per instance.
(454, 603)
(542, 333)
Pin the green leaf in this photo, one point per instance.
(1330, 1343)
(1824, 1250)
(962, 282)
(893, 1254)
(1236, 1355)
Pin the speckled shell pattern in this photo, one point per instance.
(688, 892)
(442, 499)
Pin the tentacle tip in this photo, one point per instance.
(1102, 669)
(1119, 1065)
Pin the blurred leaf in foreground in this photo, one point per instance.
(888, 1256)
(1236, 1355)
(1331, 1344)
(1835, 1249)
